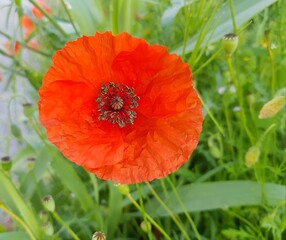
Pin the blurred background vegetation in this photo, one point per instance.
(233, 187)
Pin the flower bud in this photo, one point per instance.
(48, 228)
(272, 107)
(98, 236)
(252, 156)
(28, 110)
(146, 226)
(6, 163)
(16, 132)
(49, 203)
(30, 162)
(123, 189)
(44, 216)
(229, 43)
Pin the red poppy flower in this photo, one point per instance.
(125, 110)
(34, 44)
(12, 49)
(27, 24)
(37, 13)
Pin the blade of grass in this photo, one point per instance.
(9, 192)
(244, 9)
(215, 195)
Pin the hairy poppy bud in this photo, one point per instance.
(229, 43)
(98, 236)
(28, 110)
(146, 226)
(272, 107)
(30, 162)
(44, 216)
(6, 163)
(123, 188)
(48, 228)
(252, 156)
(49, 203)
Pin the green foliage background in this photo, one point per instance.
(213, 196)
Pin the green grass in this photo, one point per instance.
(215, 195)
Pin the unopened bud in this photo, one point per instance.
(16, 132)
(123, 189)
(252, 156)
(146, 226)
(98, 236)
(49, 203)
(229, 43)
(44, 216)
(272, 107)
(30, 162)
(28, 110)
(6, 163)
(48, 228)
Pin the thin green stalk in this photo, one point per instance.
(273, 68)
(11, 70)
(264, 135)
(6, 54)
(114, 8)
(185, 210)
(128, 15)
(186, 31)
(57, 26)
(58, 218)
(175, 219)
(143, 212)
(35, 50)
(232, 16)
(150, 219)
(26, 46)
(19, 220)
(70, 18)
(240, 100)
(5, 35)
(212, 117)
(246, 222)
(207, 62)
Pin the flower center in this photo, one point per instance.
(115, 103)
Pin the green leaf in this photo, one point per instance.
(16, 132)
(12, 198)
(71, 180)
(215, 195)
(14, 235)
(222, 22)
(232, 233)
(171, 12)
(87, 14)
(115, 210)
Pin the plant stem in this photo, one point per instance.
(58, 218)
(175, 219)
(212, 117)
(247, 222)
(114, 16)
(184, 209)
(232, 16)
(70, 18)
(158, 227)
(57, 26)
(19, 220)
(239, 97)
(143, 212)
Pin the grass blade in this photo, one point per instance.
(215, 195)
